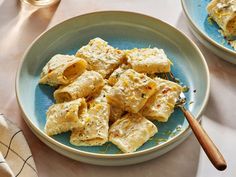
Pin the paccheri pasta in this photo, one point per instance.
(105, 94)
(62, 69)
(88, 83)
(132, 91)
(223, 12)
(131, 131)
(148, 60)
(63, 117)
(100, 56)
(160, 105)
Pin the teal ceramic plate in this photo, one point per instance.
(124, 30)
(207, 30)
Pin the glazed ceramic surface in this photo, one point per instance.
(206, 30)
(123, 30)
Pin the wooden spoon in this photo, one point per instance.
(208, 146)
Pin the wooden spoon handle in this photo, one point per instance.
(208, 146)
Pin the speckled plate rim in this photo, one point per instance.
(181, 135)
(204, 35)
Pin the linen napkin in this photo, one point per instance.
(15, 156)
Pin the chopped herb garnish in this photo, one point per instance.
(179, 128)
(159, 140)
(176, 80)
(150, 139)
(185, 88)
(162, 139)
(191, 102)
(167, 132)
(173, 134)
(117, 75)
(209, 19)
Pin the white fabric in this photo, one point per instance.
(5, 170)
(15, 156)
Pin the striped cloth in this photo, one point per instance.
(15, 156)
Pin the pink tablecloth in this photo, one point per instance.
(20, 26)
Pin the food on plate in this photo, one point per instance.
(100, 96)
(63, 117)
(88, 83)
(131, 131)
(161, 104)
(106, 94)
(100, 56)
(62, 69)
(131, 91)
(223, 12)
(114, 77)
(115, 113)
(148, 60)
(95, 129)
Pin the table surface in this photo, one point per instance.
(19, 26)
